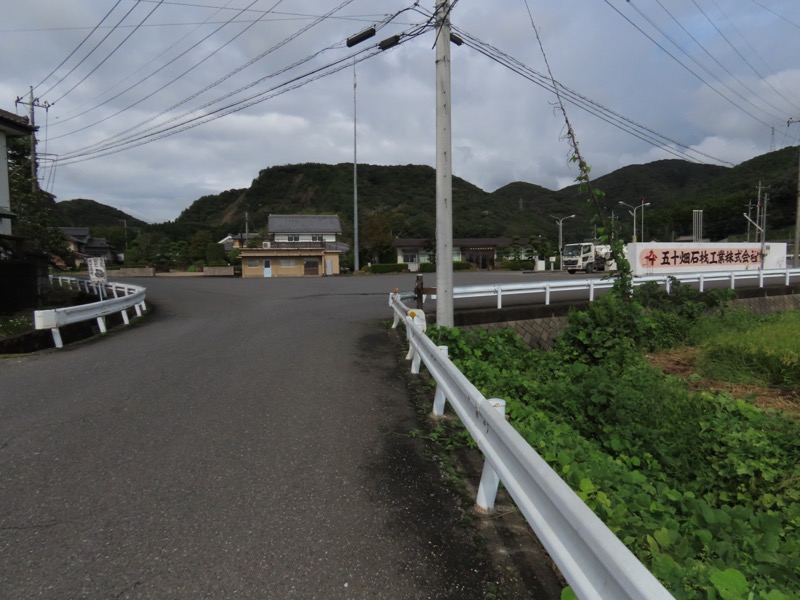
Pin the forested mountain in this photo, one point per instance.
(402, 198)
(88, 213)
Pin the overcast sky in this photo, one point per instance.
(172, 100)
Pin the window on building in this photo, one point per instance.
(293, 237)
(409, 258)
(253, 263)
(287, 262)
(316, 238)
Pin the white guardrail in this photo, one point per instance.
(114, 298)
(591, 286)
(595, 563)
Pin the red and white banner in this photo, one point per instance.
(657, 258)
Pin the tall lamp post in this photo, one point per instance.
(796, 262)
(633, 212)
(560, 243)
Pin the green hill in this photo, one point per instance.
(404, 197)
(88, 213)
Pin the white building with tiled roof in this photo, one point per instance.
(298, 245)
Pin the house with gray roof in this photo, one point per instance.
(297, 246)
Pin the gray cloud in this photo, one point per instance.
(505, 128)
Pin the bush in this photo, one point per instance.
(701, 487)
(460, 265)
(388, 268)
(427, 267)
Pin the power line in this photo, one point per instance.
(768, 9)
(673, 57)
(619, 121)
(83, 41)
(161, 131)
(711, 56)
(178, 57)
(93, 49)
(764, 79)
(212, 85)
(110, 54)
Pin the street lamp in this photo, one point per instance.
(635, 208)
(560, 244)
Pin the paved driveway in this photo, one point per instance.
(249, 440)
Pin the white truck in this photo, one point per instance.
(587, 257)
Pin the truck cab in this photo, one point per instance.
(586, 256)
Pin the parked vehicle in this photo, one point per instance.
(587, 257)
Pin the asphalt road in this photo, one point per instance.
(249, 439)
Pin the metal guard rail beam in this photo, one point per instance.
(595, 563)
(592, 285)
(125, 297)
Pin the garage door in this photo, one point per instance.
(311, 267)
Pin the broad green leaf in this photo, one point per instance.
(730, 584)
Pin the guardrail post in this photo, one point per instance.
(668, 284)
(101, 323)
(57, 337)
(419, 296)
(499, 293)
(733, 280)
(125, 318)
(439, 398)
(760, 278)
(490, 481)
(702, 282)
(392, 300)
(547, 294)
(591, 290)
(415, 318)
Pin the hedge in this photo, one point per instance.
(388, 268)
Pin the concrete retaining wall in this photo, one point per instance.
(133, 272)
(218, 271)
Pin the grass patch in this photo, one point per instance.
(767, 352)
(12, 325)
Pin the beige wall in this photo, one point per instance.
(286, 266)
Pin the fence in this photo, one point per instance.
(595, 563)
(547, 289)
(114, 298)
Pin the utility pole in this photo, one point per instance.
(796, 262)
(764, 229)
(356, 264)
(759, 232)
(33, 103)
(444, 170)
(749, 220)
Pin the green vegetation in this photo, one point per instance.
(34, 208)
(701, 486)
(399, 202)
(764, 352)
(388, 268)
(12, 325)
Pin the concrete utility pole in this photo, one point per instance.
(444, 170)
(356, 264)
(33, 103)
(796, 262)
